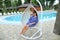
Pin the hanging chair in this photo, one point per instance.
(38, 27)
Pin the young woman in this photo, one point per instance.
(31, 23)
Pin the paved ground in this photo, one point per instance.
(11, 31)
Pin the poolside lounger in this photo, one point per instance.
(18, 12)
(0, 14)
(4, 13)
(21, 12)
(15, 12)
(8, 13)
(12, 13)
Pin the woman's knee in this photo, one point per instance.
(26, 27)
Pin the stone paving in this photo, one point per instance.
(11, 31)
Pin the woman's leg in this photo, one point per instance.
(24, 29)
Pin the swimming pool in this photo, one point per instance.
(45, 15)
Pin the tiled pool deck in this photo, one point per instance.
(11, 31)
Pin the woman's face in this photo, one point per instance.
(31, 9)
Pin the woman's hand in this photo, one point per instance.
(32, 23)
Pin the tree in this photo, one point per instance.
(15, 5)
(4, 6)
(8, 3)
(43, 3)
(1, 4)
(45, 7)
(19, 2)
(27, 1)
(57, 23)
(34, 2)
(51, 4)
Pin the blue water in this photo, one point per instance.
(14, 18)
(45, 15)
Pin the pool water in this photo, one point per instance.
(45, 15)
(14, 18)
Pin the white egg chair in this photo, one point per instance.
(25, 18)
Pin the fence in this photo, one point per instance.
(10, 13)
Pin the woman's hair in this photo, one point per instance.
(35, 13)
(32, 9)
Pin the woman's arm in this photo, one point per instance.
(32, 23)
